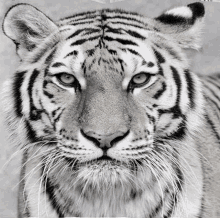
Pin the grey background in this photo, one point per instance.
(205, 62)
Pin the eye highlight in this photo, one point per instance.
(66, 79)
(140, 79)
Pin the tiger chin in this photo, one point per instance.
(109, 118)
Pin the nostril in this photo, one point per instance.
(119, 138)
(91, 138)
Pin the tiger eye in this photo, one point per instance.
(66, 78)
(140, 79)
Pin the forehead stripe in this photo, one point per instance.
(122, 41)
(81, 41)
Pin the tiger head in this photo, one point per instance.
(108, 92)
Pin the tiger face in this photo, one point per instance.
(111, 97)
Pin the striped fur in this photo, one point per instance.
(105, 145)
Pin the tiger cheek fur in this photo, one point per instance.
(107, 113)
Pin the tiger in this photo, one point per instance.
(109, 117)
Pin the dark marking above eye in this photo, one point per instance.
(75, 53)
(150, 64)
(143, 63)
(58, 64)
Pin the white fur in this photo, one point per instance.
(181, 12)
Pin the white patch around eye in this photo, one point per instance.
(181, 11)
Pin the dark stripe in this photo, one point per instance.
(50, 56)
(81, 41)
(87, 18)
(214, 81)
(63, 30)
(112, 52)
(160, 91)
(202, 209)
(151, 118)
(17, 83)
(150, 64)
(86, 14)
(213, 93)
(178, 83)
(212, 127)
(135, 34)
(190, 88)
(134, 52)
(179, 134)
(34, 112)
(80, 23)
(31, 134)
(180, 180)
(213, 102)
(48, 94)
(73, 53)
(58, 117)
(90, 52)
(89, 31)
(45, 83)
(122, 41)
(126, 18)
(175, 110)
(130, 24)
(143, 63)
(159, 57)
(173, 202)
(160, 70)
(58, 64)
(130, 32)
(121, 63)
(113, 30)
(75, 33)
(120, 11)
(50, 190)
(54, 112)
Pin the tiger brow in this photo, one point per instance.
(58, 64)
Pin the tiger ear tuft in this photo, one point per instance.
(184, 23)
(27, 27)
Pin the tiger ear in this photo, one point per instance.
(184, 24)
(27, 27)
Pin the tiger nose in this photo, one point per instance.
(105, 141)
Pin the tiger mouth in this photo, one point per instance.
(105, 162)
